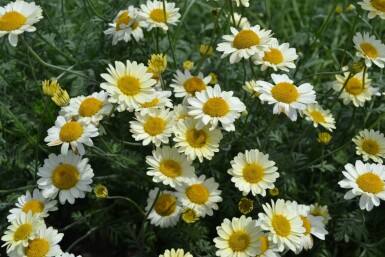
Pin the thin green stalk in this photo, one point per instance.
(379, 119)
(157, 41)
(68, 57)
(252, 69)
(96, 12)
(92, 230)
(272, 124)
(128, 200)
(231, 11)
(17, 189)
(319, 74)
(349, 40)
(142, 228)
(169, 36)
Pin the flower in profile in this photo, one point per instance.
(364, 180)
(50, 87)
(238, 237)
(370, 48)
(188, 65)
(61, 97)
(240, 21)
(158, 63)
(243, 2)
(268, 248)
(67, 175)
(71, 133)
(180, 112)
(189, 215)
(245, 205)
(154, 16)
(250, 88)
(371, 145)
(320, 210)
(125, 26)
(175, 253)
(324, 138)
(244, 43)
(315, 113)
(186, 84)
(214, 78)
(285, 96)
(375, 8)
(205, 50)
(101, 191)
(166, 210)
(18, 17)
(161, 100)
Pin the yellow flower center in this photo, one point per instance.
(253, 173)
(194, 84)
(245, 205)
(22, 232)
(281, 225)
(370, 146)
(274, 56)
(129, 85)
(12, 20)
(317, 116)
(125, 19)
(306, 224)
(369, 50)
(196, 138)
(154, 126)
(264, 245)
(197, 193)
(37, 248)
(370, 183)
(246, 39)
(150, 104)
(90, 106)
(170, 168)
(189, 215)
(33, 205)
(65, 176)
(70, 131)
(165, 205)
(216, 107)
(379, 5)
(354, 86)
(239, 241)
(158, 15)
(285, 92)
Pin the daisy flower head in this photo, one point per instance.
(253, 172)
(67, 175)
(240, 21)
(238, 237)
(180, 112)
(369, 48)
(285, 96)
(276, 56)
(154, 126)
(375, 8)
(245, 43)
(200, 194)
(364, 180)
(126, 25)
(356, 90)
(213, 105)
(44, 244)
(268, 248)
(175, 253)
(35, 203)
(283, 223)
(22, 229)
(71, 133)
(319, 116)
(186, 85)
(196, 143)
(169, 167)
(18, 17)
(128, 85)
(322, 211)
(250, 88)
(161, 100)
(243, 2)
(88, 109)
(166, 210)
(154, 16)
(371, 145)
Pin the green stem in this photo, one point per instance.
(169, 36)
(232, 12)
(252, 69)
(128, 200)
(349, 40)
(272, 124)
(319, 74)
(81, 238)
(17, 189)
(96, 12)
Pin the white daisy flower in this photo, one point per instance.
(88, 109)
(283, 223)
(67, 175)
(213, 105)
(45, 244)
(285, 96)
(354, 90)
(320, 210)
(35, 202)
(371, 145)
(18, 17)
(125, 26)
(238, 238)
(180, 112)
(161, 100)
(166, 210)
(240, 21)
(177, 253)
(154, 16)
(253, 172)
(200, 194)
(128, 85)
(276, 56)
(154, 126)
(22, 229)
(364, 180)
(186, 85)
(316, 114)
(250, 88)
(245, 43)
(375, 8)
(370, 48)
(68, 255)
(169, 167)
(196, 143)
(71, 133)
(268, 248)
(243, 2)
